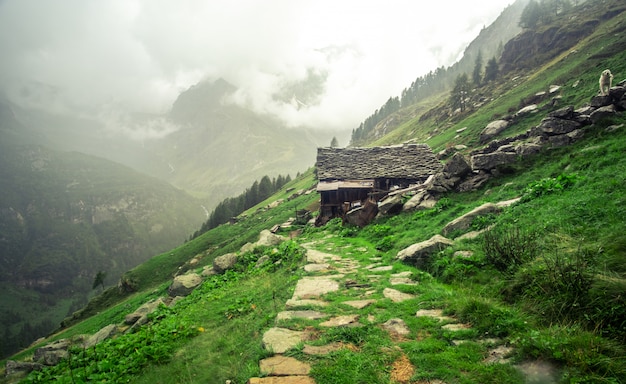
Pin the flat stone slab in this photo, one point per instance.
(319, 257)
(316, 267)
(283, 366)
(434, 313)
(397, 326)
(358, 304)
(321, 350)
(401, 281)
(397, 296)
(341, 321)
(384, 268)
(402, 274)
(280, 340)
(499, 355)
(291, 303)
(311, 315)
(456, 327)
(282, 380)
(312, 287)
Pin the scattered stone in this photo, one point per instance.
(434, 313)
(183, 285)
(499, 355)
(403, 274)
(419, 253)
(282, 380)
(283, 366)
(401, 281)
(268, 239)
(103, 334)
(456, 327)
(144, 310)
(207, 271)
(390, 205)
(280, 340)
(465, 222)
(53, 353)
(291, 303)
(318, 257)
(310, 315)
(463, 254)
(341, 321)
(312, 287)
(316, 267)
(225, 262)
(384, 268)
(14, 368)
(396, 326)
(323, 349)
(359, 304)
(396, 296)
(492, 129)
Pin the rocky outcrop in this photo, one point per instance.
(225, 262)
(140, 315)
(53, 353)
(419, 253)
(465, 222)
(183, 285)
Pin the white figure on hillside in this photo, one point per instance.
(606, 81)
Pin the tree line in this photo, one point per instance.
(233, 206)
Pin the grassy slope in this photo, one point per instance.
(581, 226)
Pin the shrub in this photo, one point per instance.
(548, 185)
(509, 248)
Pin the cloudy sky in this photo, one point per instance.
(94, 57)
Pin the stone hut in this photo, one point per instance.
(353, 178)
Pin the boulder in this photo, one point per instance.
(13, 368)
(268, 239)
(421, 200)
(602, 113)
(563, 113)
(53, 353)
(225, 262)
(555, 126)
(101, 335)
(419, 253)
(390, 205)
(183, 285)
(145, 309)
(533, 108)
(474, 182)
(490, 161)
(527, 149)
(465, 222)
(492, 129)
(457, 166)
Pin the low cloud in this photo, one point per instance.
(317, 63)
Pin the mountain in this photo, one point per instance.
(221, 148)
(65, 216)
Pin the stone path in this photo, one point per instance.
(328, 274)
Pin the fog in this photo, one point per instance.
(326, 64)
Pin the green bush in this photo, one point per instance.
(509, 248)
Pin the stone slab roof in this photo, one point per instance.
(408, 161)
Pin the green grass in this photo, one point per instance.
(562, 303)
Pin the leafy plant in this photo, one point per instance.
(549, 185)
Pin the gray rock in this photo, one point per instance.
(144, 310)
(396, 326)
(390, 205)
(53, 353)
(602, 113)
(492, 129)
(465, 222)
(13, 368)
(103, 334)
(491, 161)
(555, 126)
(419, 253)
(527, 149)
(268, 239)
(457, 166)
(225, 262)
(563, 113)
(280, 340)
(262, 261)
(183, 285)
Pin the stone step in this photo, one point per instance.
(280, 340)
(282, 380)
(284, 366)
